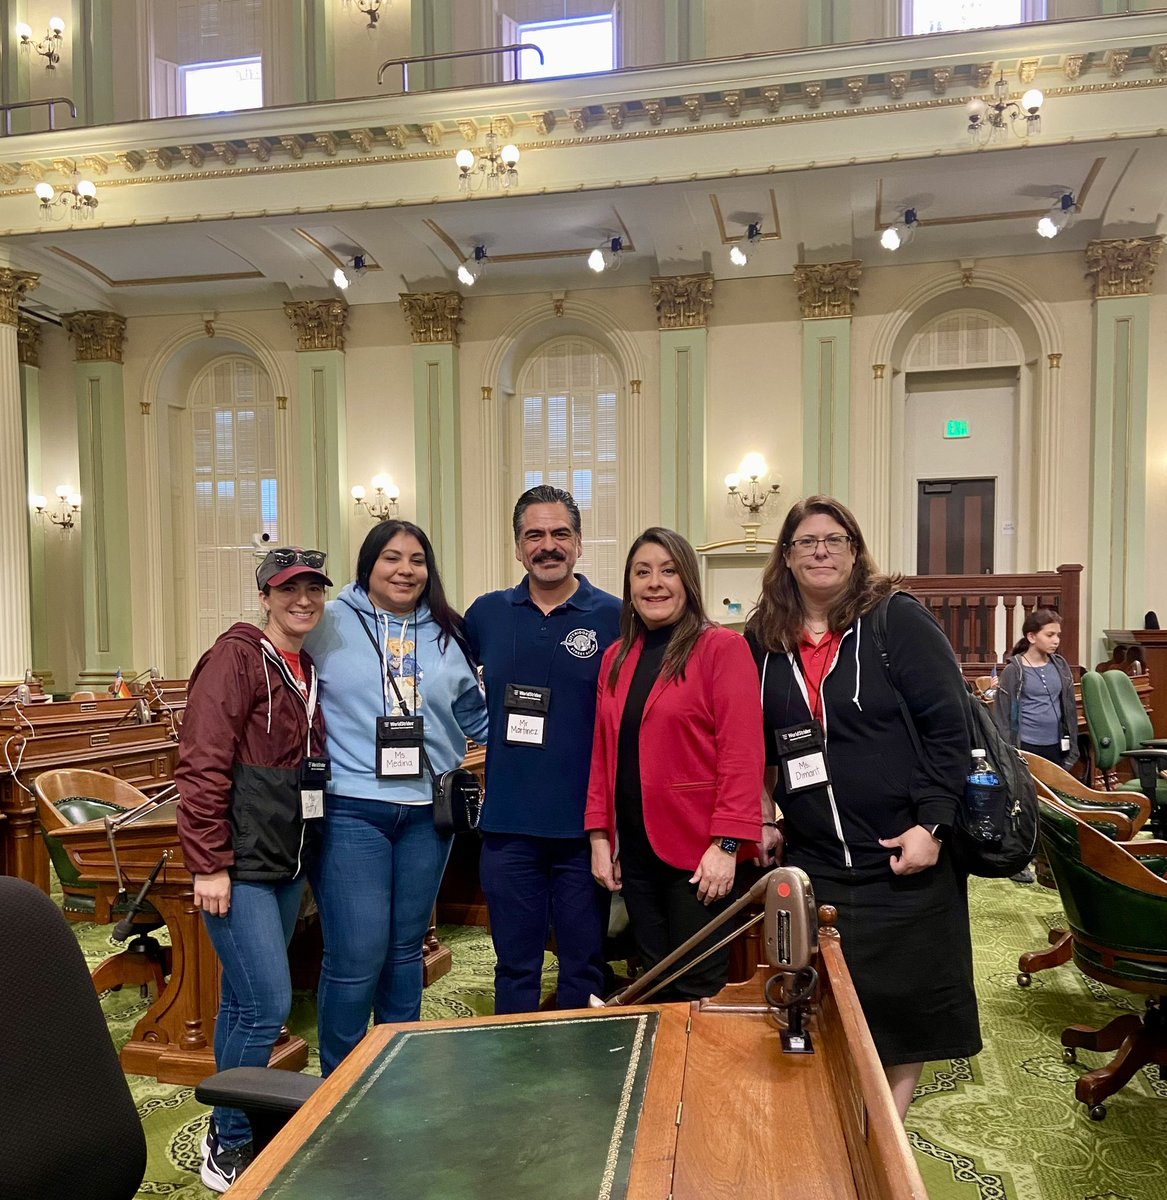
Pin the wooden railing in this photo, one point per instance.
(982, 614)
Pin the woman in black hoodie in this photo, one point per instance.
(863, 815)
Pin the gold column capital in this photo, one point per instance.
(1055, 360)
(827, 289)
(14, 286)
(318, 324)
(28, 342)
(1123, 266)
(432, 316)
(487, 393)
(97, 336)
(635, 385)
(682, 301)
(877, 370)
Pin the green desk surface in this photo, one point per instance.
(517, 1110)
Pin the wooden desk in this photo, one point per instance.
(173, 1041)
(705, 1106)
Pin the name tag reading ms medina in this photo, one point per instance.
(399, 742)
(400, 762)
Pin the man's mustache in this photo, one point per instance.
(549, 556)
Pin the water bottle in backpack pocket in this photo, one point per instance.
(986, 802)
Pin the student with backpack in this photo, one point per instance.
(868, 805)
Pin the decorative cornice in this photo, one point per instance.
(432, 316)
(319, 324)
(14, 286)
(682, 301)
(97, 336)
(1123, 266)
(28, 342)
(827, 289)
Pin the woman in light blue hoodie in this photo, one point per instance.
(390, 636)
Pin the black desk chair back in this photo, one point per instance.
(70, 1127)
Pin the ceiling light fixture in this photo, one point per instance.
(370, 8)
(608, 256)
(739, 255)
(471, 268)
(988, 120)
(1059, 216)
(79, 199)
(353, 268)
(902, 232)
(49, 47)
(491, 166)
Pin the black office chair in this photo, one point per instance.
(70, 1127)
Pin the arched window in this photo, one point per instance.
(235, 492)
(565, 433)
(935, 16)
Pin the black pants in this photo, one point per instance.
(1054, 753)
(663, 911)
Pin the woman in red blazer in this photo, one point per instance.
(677, 760)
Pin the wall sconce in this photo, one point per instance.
(383, 505)
(747, 486)
(608, 256)
(49, 47)
(79, 200)
(370, 8)
(64, 512)
(491, 166)
(1059, 216)
(988, 121)
(471, 268)
(740, 255)
(902, 232)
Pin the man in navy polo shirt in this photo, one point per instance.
(540, 645)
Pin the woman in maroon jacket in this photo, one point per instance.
(250, 782)
(677, 759)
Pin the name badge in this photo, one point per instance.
(314, 774)
(526, 709)
(802, 753)
(399, 741)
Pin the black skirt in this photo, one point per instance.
(908, 947)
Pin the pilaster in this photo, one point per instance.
(433, 319)
(28, 334)
(1123, 270)
(826, 295)
(98, 339)
(15, 612)
(682, 305)
(321, 451)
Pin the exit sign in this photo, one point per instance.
(956, 429)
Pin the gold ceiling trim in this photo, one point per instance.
(1080, 193)
(341, 263)
(528, 255)
(727, 238)
(161, 281)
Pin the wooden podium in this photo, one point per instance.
(173, 1041)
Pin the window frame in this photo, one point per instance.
(1031, 11)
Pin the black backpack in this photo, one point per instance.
(1015, 829)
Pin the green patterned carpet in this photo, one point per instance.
(1003, 1126)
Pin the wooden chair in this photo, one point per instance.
(71, 797)
(1114, 894)
(1118, 816)
(83, 696)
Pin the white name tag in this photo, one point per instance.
(525, 729)
(805, 771)
(311, 803)
(400, 761)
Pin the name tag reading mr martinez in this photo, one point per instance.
(801, 751)
(526, 711)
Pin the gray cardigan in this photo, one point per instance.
(1007, 705)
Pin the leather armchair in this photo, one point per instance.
(1114, 895)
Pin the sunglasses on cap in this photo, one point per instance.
(287, 556)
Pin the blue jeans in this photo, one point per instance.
(530, 884)
(252, 944)
(375, 882)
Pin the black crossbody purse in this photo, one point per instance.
(457, 793)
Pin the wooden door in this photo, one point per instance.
(954, 526)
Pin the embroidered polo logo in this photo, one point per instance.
(583, 643)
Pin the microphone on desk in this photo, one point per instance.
(125, 926)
